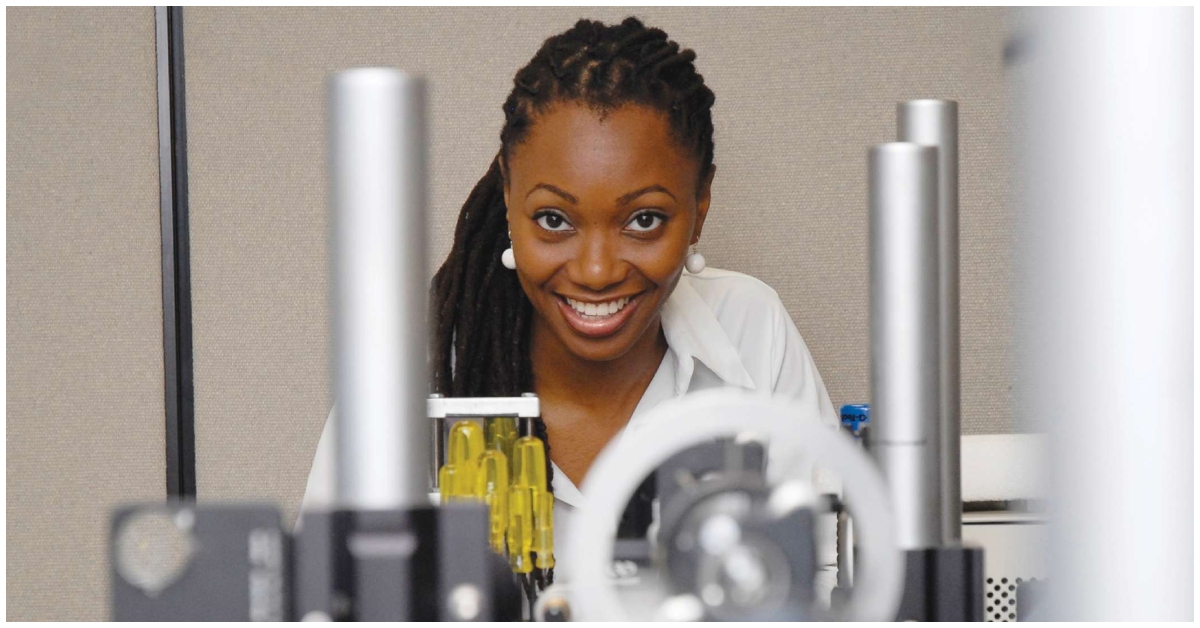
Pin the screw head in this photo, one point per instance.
(556, 609)
(465, 602)
(684, 607)
(185, 519)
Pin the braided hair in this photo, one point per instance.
(480, 344)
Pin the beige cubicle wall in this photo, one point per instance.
(85, 427)
(801, 95)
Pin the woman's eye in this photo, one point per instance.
(646, 221)
(552, 222)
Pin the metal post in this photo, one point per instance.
(436, 460)
(902, 180)
(845, 551)
(176, 259)
(935, 123)
(377, 174)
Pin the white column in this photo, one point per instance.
(1105, 128)
(377, 175)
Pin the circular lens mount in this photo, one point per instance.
(796, 443)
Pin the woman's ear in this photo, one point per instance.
(703, 197)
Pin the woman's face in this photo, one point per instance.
(601, 212)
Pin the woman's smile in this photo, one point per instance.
(597, 319)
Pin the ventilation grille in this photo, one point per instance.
(1000, 598)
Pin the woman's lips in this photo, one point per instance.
(598, 326)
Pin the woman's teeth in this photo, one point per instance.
(599, 309)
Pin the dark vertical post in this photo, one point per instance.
(176, 267)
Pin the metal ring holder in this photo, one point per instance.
(790, 437)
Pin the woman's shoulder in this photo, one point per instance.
(731, 313)
(747, 309)
(727, 290)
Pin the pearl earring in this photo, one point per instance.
(694, 262)
(507, 258)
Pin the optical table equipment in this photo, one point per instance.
(709, 513)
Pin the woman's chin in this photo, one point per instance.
(600, 349)
(588, 350)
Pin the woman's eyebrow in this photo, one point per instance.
(555, 190)
(646, 190)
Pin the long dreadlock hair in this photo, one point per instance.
(480, 344)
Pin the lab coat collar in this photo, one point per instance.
(692, 331)
(564, 489)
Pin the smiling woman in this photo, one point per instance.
(566, 277)
(602, 183)
(601, 209)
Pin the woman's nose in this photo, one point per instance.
(597, 266)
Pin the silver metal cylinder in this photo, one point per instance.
(935, 123)
(845, 550)
(905, 406)
(377, 177)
